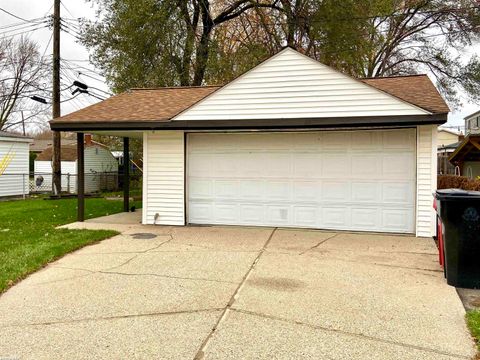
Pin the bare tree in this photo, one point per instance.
(22, 72)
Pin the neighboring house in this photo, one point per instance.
(464, 156)
(467, 156)
(13, 164)
(472, 123)
(448, 141)
(101, 168)
(447, 136)
(291, 143)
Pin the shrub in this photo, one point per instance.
(457, 182)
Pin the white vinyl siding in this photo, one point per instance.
(43, 169)
(426, 178)
(163, 195)
(99, 160)
(291, 85)
(12, 182)
(345, 180)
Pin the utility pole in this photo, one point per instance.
(56, 158)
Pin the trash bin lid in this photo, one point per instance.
(445, 194)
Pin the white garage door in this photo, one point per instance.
(346, 180)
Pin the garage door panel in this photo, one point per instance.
(365, 166)
(333, 140)
(307, 165)
(226, 189)
(226, 213)
(252, 214)
(360, 180)
(336, 165)
(368, 141)
(335, 217)
(398, 166)
(306, 191)
(278, 214)
(306, 215)
(398, 140)
(366, 192)
(252, 189)
(199, 164)
(200, 213)
(396, 220)
(250, 164)
(278, 191)
(399, 193)
(335, 191)
(200, 188)
(278, 165)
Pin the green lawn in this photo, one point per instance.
(473, 321)
(29, 240)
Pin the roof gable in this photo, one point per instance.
(292, 85)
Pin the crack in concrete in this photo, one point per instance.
(376, 264)
(319, 243)
(113, 317)
(104, 270)
(141, 252)
(201, 351)
(167, 276)
(348, 333)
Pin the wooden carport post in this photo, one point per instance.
(126, 174)
(80, 178)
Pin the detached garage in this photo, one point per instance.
(291, 143)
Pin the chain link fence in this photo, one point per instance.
(41, 183)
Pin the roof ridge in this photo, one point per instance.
(391, 77)
(175, 87)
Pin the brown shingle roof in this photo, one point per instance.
(415, 89)
(141, 105)
(68, 152)
(162, 104)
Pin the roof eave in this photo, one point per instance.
(433, 119)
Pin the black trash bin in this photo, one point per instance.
(460, 214)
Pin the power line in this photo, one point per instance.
(16, 16)
(25, 32)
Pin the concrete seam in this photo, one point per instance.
(323, 328)
(201, 352)
(166, 276)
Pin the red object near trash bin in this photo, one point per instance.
(439, 235)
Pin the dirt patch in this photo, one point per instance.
(279, 284)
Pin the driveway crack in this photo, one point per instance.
(318, 244)
(201, 352)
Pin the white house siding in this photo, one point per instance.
(426, 178)
(163, 180)
(99, 160)
(12, 182)
(291, 85)
(44, 169)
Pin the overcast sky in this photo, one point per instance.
(77, 56)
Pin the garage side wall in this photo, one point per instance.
(14, 181)
(426, 178)
(163, 178)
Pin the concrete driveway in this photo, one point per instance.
(237, 293)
